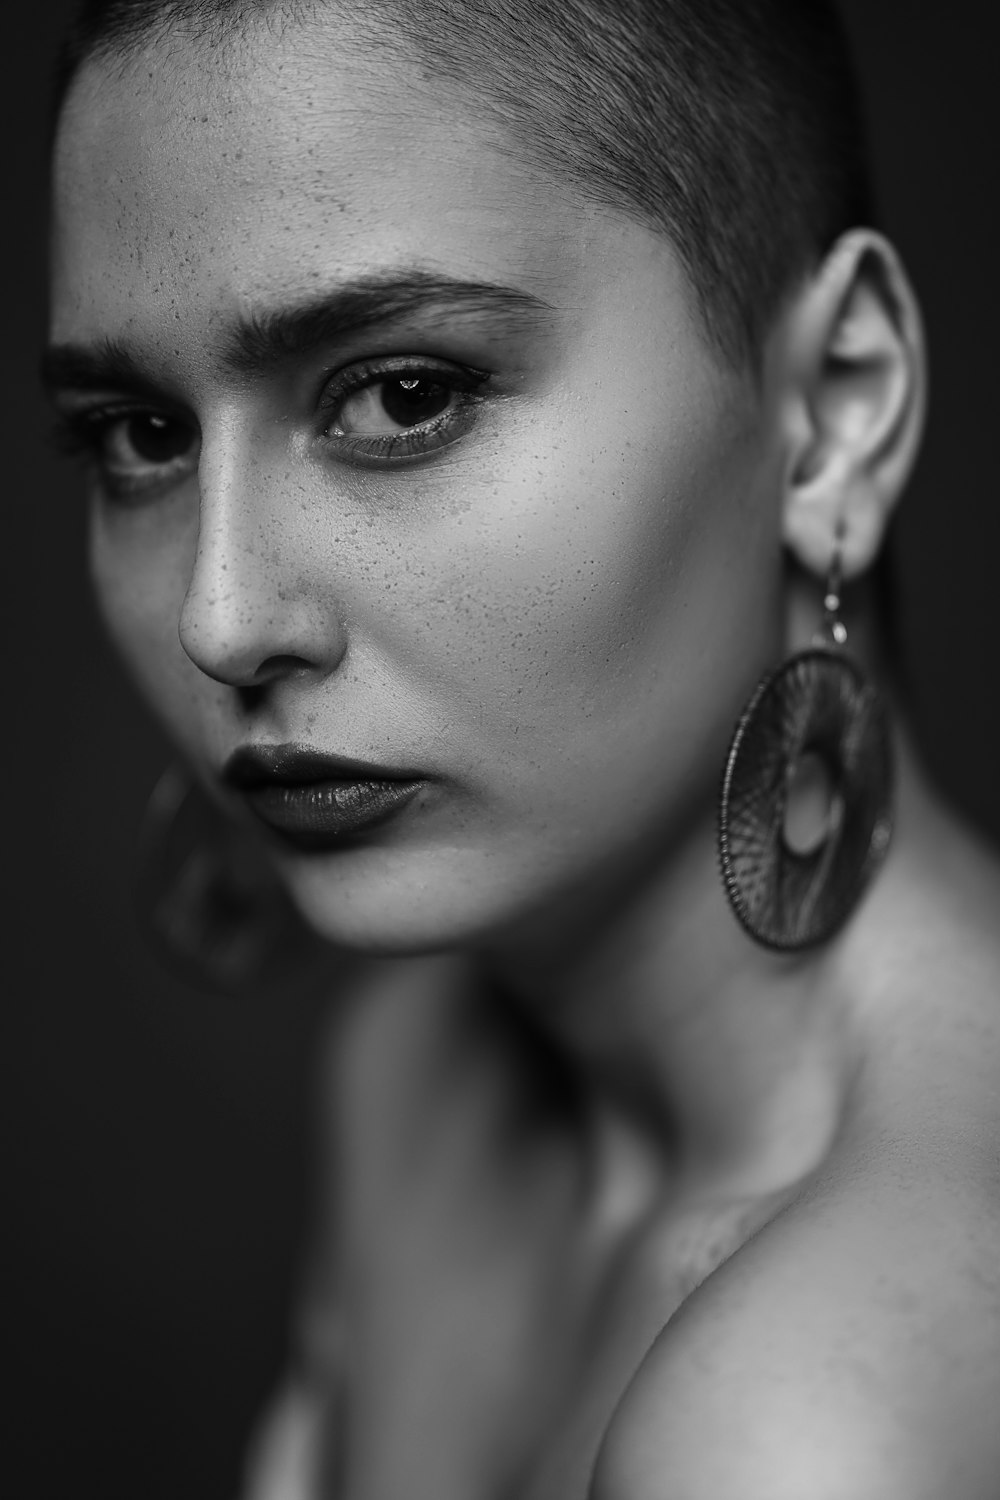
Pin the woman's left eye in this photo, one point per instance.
(385, 413)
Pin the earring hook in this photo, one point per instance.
(833, 631)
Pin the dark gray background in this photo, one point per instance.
(155, 1188)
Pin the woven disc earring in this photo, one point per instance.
(207, 901)
(805, 814)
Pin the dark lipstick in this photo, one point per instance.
(315, 801)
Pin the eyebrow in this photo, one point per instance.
(264, 342)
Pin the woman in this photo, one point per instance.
(475, 419)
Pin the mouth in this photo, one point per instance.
(316, 802)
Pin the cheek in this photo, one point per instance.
(139, 567)
(563, 594)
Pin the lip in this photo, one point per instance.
(315, 801)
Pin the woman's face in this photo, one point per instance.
(409, 456)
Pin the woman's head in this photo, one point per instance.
(418, 450)
(734, 128)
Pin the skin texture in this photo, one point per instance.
(431, 613)
(553, 619)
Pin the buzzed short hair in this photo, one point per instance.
(733, 126)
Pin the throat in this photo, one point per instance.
(733, 1067)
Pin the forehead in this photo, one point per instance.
(192, 181)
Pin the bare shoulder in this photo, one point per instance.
(849, 1351)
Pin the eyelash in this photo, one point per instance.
(85, 434)
(423, 438)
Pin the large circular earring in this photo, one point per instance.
(814, 734)
(206, 899)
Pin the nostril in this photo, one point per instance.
(279, 666)
(251, 646)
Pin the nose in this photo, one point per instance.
(256, 609)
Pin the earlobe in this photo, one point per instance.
(855, 370)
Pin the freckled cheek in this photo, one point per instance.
(541, 597)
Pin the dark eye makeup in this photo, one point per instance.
(132, 449)
(391, 410)
(381, 413)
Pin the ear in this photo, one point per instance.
(851, 369)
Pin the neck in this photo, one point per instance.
(733, 1062)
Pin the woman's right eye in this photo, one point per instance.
(133, 451)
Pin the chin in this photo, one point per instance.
(393, 908)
